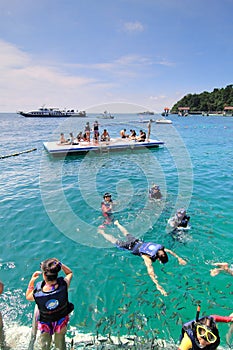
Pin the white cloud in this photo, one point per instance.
(133, 27)
(28, 82)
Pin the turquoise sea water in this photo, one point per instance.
(51, 207)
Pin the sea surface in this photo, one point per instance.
(50, 207)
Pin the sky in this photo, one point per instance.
(123, 54)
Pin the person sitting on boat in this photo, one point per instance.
(51, 297)
(179, 220)
(142, 136)
(105, 136)
(132, 135)
(148, 251)
(106, 207)
(154, 192)
(221, 267)
(73, 141)
(202, 333)
(79, 136)
(63, 139)
(123, 134)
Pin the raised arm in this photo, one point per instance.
(180, 260)
(30, 288)
(68, 272)
(151, 273)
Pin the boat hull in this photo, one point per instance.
(51, 115)
(57, 149)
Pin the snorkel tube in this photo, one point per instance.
(198, 312)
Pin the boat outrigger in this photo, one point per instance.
(83, 147)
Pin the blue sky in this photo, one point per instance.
(123, 53)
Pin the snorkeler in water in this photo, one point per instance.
(154, 192)
(179, 220)
(107, 207)
(221, 267)
(202, 333)
(148, 251)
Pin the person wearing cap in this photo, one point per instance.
(106, 207)
(154, 192)
(148, 251)
(202, 333)
(180, 219)
(51, 297)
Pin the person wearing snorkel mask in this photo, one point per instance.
(51, 297)
(154, 192)
(148, 251)
(180, 220)
(202, 333)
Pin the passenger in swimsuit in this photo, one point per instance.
(132, 135)
(149, 130)
(123, 134)
(96, 131)
(51, 297)
(62, 139)
(142, 136)
(105, 136)
(148, 251)
(87, 131)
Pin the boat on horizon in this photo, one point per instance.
(105, 115)
(50, 112)
(163, 121)
(146, 113)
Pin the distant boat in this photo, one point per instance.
(49, 112)
(147, 120)
(163, 121)
(146, 113)
(105, 115)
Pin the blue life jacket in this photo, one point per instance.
(52, 305)
(149, 248)
(190, 329)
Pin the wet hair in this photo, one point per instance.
(163, 258)
(50, 268)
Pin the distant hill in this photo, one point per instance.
(207, 101)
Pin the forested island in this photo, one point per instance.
(218, 101)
